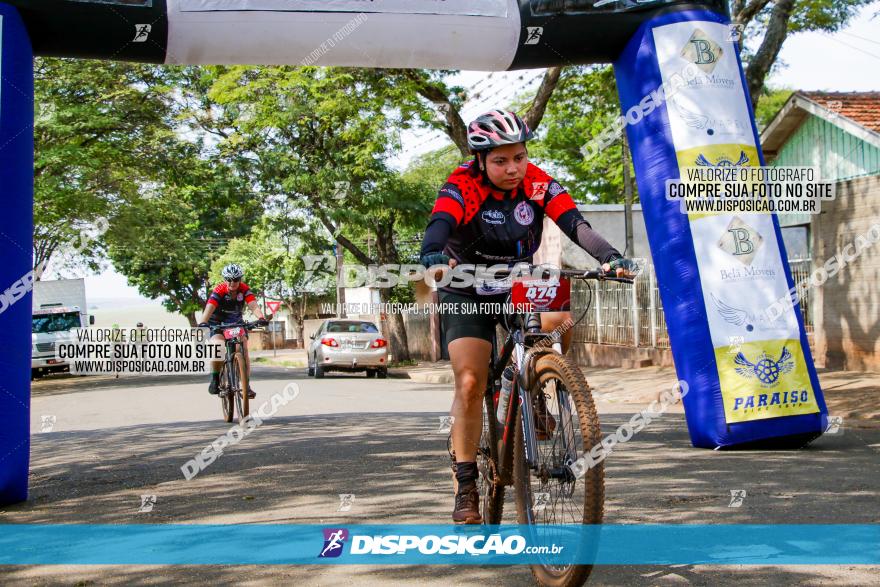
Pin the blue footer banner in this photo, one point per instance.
(276, 544)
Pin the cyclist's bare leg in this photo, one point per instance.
(470, 364)
(561, 321)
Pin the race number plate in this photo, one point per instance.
(541, 295)
(231, 333)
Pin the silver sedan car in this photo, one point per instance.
(348, 345)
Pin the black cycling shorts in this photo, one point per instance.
(467, 319)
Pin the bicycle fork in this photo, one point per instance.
(525, 361)
(526, 410)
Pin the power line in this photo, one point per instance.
(862, 38)
(860, 50)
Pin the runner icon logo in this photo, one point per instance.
(835, 425)
(142, 33)
(534, 35)
(737, 496)
(147, 503)
(346, 500)
(334, 540)
(47, 423)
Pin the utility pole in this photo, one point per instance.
(340, 282)
(627, 200)
(265, 308)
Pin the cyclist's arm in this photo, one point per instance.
(563, 211)
(254, 307)
(576, 227)
(437, 234)
(213, 302)
(447, 214)
(209, 311)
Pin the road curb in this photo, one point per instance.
(433, 376)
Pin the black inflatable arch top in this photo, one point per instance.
(573, 32)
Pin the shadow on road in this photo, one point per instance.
(292, 470)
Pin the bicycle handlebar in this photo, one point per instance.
(593, 274)
(224, 325)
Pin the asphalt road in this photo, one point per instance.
(113, 440)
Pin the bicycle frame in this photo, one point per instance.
(233, 344)
(519, 345)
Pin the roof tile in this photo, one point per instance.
(860, 107)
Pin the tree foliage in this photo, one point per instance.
(768, 24)
(584, 104)
(99, 131)
(317, 140)
(165, 244)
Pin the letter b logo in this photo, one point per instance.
(741, 241)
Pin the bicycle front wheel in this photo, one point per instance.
(241, 396)
(549, 493)
(226, 394)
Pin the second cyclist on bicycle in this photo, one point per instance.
(226, 305)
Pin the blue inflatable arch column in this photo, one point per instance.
(16, 238)
(751, 383)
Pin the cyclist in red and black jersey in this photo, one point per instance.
(226, 305)
(490, 211)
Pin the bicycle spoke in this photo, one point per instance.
(563, 505)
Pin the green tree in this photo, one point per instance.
(773, 21)
(165, 244)
(317, 140)
(274, 268)
(98, 131)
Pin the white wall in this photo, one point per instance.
(608, 220)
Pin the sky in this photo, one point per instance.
(848, 60)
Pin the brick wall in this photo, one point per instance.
(847, 307)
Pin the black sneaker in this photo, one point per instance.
(212, 388)
(251, 393)
(467, 507)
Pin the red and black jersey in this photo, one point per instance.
(499, 227)
(229, 306)
(474, 223)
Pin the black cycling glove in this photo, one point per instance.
(430, 259)
(627, 265)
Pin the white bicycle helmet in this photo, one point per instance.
(233, 271)
(496, 128)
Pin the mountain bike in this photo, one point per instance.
(551, 422)
(234, 376)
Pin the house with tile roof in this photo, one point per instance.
(839, 134)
